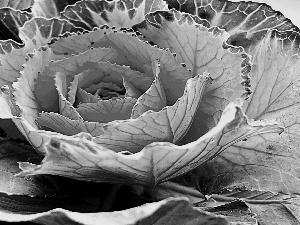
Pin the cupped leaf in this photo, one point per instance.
(34, 34)
(165, 212)
(36, 90)
(138, 81)
(246, 22)
(79, 157)
(154, 98)
(202, 49)
(65, 107)
(132, 52)
(107, 110)
(93, 13)
(169, 124)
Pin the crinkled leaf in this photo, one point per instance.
(134, 53)
(117, 73)
(24, 87)
(265, 162)
(36, 91)
(169, 124)
(107, 110)
(65, 107)
(34, 34)
(153, 99)
(165, 212)
(91, 13)
(81, 158)
(202, 50)
(246, 22)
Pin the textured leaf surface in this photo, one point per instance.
(250, 24)
(11, 21)
(166, 212)
(34, 34)
(154, 98)
(36, 91)
(169, 124)
(132, 52)
(107, 110)
(265, 162)
(91, 13)
(202, 50)
(17, 4)
(81, 158)
(50, 8)
(267, 207)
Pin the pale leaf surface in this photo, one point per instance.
(165, 212)
(105, 111)
(169, 124)
(79, 157)
(67, 126)
(202, 50)
(265, 162)
(34, 34)
(43, 88)
(131, 91)
(134, 53)
(246, 22)
(65, 107)
(90, 13)
(107, 72)
(85, 97)
(154, 98)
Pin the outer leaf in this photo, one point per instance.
(11, 153)
(50, 8)
(93, 13)
(169, 124)
(11, 21)
(269, 208)
(246, 22)
(166, 212)
(17, 4)
(34, 34)
(265, 162)
(81, 158)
